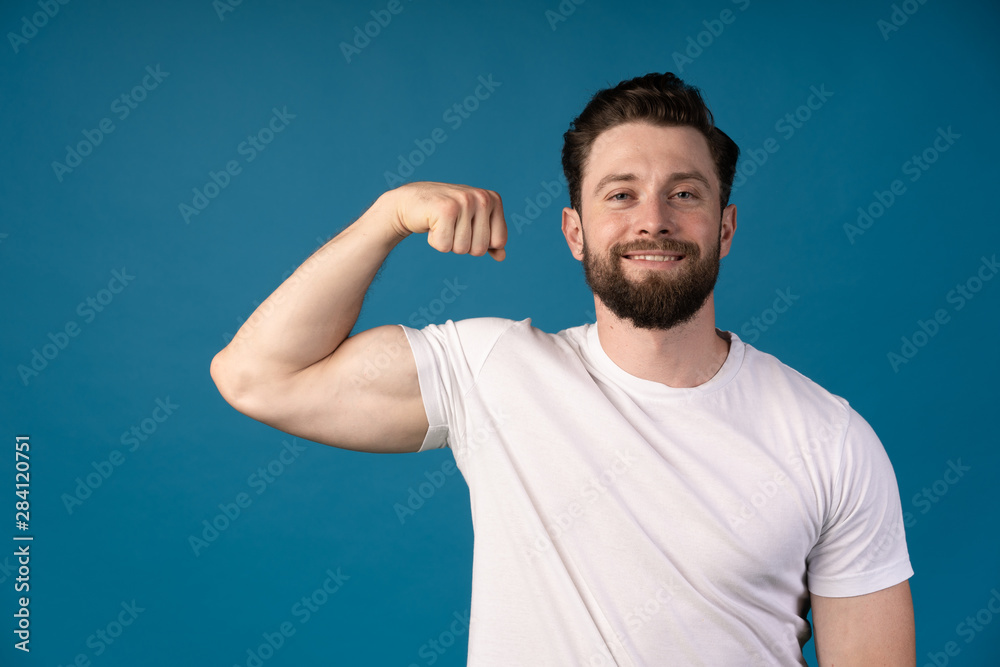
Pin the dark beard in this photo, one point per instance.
(662, 299)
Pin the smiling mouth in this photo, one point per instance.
(656, 258)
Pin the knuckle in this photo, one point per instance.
(439, 245)
(483, 198)
(450, 208)
(468, 197)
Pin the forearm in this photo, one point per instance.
(313, 311)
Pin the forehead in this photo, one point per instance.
(651, 151)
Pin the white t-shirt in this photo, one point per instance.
(620, 521)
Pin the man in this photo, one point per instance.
(646, 490)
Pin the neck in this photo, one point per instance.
(687, 355)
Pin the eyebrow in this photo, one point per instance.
(676, 176)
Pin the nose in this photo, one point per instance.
(654, 218)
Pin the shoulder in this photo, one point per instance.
(781, 387)
(484, 333)
(470, 328)
(473, 339)
(771, 373)
(510, 330)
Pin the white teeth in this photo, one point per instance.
(656, 258)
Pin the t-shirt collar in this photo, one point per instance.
(658, 390)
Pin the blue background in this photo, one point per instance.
(196, 281)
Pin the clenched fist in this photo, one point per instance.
(456, 218)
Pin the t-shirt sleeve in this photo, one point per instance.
(862, 547)
(449, 357)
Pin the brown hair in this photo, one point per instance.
(662, 99)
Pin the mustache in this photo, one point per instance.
(667, 245)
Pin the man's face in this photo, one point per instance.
(650, 190)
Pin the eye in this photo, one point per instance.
(690, 194)
(617, 194)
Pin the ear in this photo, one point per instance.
(572, 229)
(727, 229)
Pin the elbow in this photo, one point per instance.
(229, 380)
(243, 386)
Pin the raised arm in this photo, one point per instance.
(292, 366)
